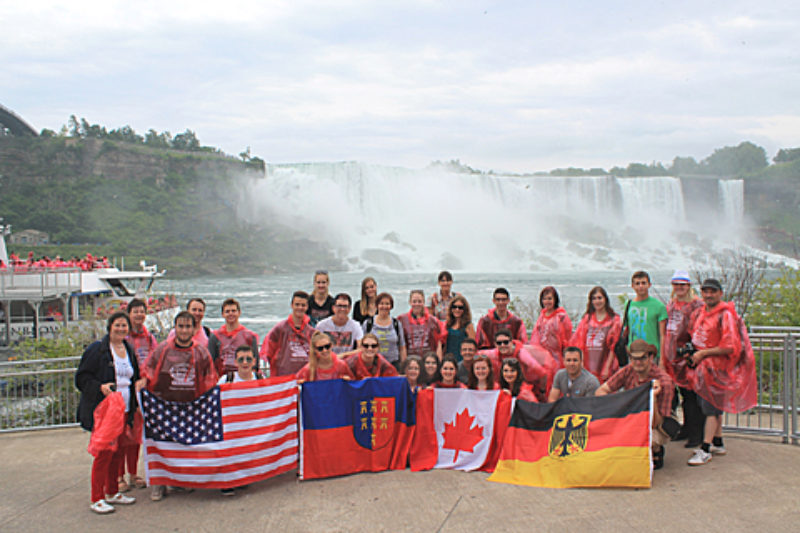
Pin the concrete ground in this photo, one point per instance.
(44, 486)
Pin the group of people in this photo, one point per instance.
(434, 345)
(89, 262)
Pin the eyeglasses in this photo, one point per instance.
(342, 306)
(680, 284)
(246, 359)
(502, 343)
(457, 307)
(323, 347)
(369, 346)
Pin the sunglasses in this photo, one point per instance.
(318, 272)
(502, 343)
(369, 346)
(457, 307)
(246, 359)
(323, 347)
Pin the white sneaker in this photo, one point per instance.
(121, 499)
(101, 507)
(700, 457)
(718, 450)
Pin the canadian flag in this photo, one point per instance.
(459, 428)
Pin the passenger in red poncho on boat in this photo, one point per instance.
(538, 366)
(424, 333)
(322, 362)
(596, 334)
(179, 370)
(724, 374)
(513, 382)
(223, 342)
(683, 302)
(288, 344)
(367, 362)
(499, 318)
(553, 329)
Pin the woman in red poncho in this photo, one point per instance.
(513, 382)
(553, 329)
(596, 334)
(106, 366)
(446, 378)
(367, 362)
(480, 374)
(322, 362)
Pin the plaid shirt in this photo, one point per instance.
(626, 378)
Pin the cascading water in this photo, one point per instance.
(392, 218)
(731, 200)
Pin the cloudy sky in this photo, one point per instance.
(504, 85)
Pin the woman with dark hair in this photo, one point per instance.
(480, 374)
(513, 381)
(441, 299)
(389, 330)
(553, 329)
(430, 368)
(367, 306)
(108, 366)
(447, 375)
(412, 370)
(596, 334)
(322, 362)
(459, 325)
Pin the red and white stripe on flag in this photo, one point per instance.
(259, 420)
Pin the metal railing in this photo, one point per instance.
(38, 394)
(775, 350)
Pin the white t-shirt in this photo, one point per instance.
(344, 337)
(124, 374)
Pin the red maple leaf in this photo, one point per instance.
(460, 435)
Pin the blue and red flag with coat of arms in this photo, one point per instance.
(355, 426)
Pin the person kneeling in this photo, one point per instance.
(641, 370)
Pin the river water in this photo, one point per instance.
(265, 299)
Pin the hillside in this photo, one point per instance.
(172, 207)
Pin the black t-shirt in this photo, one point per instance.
(319, 312)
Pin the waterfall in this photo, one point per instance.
(731, 200)
(395, 218)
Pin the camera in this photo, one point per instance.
(686, 351)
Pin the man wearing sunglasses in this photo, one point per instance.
(642, 369)
(245, 367)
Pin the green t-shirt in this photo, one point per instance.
(643, 319)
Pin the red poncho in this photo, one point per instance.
(109, 423)
(677, 334)
(728, 382)
(552, 331)
(179, 374)
(596, 339)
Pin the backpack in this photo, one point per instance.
(369, 323)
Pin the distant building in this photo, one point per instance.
(30, 237)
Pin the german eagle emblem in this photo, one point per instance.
(569, 435)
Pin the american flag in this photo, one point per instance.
(233, 435)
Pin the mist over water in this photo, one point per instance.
(395, 219)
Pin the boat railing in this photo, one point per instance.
(39, 283)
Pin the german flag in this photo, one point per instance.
(579, 442)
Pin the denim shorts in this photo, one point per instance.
(706, 407)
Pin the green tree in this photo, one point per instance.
(736, 160)
(786, 155)
(778, 302)
(682, 166)
(126, 134)
(158, 140)
(186, 141)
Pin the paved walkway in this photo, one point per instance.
(44, 486)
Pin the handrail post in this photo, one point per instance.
(792, 356)
(787, 388)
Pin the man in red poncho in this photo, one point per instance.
(724, 367)
(179, 370)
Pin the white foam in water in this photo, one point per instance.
(397, 219)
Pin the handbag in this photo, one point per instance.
(621, 347)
